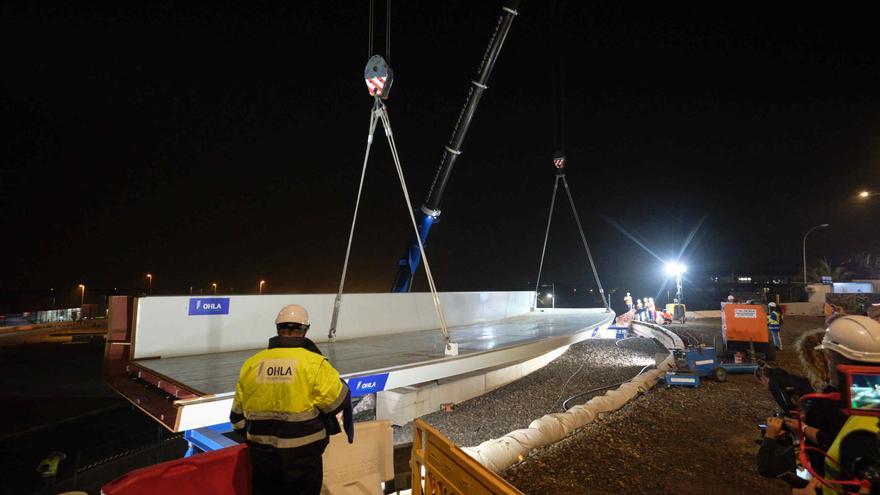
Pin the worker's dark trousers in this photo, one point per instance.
(300, 476)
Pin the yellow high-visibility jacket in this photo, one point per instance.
(281, 394)
(854, 424)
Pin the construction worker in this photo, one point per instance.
(652, 310)
(640, 310)
(286, 402)
(628, 300)
(774, 323)
(853, 340)
(48, 470)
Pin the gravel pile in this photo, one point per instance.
(586, 365)
(669, 441)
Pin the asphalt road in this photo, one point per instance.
(53, 398)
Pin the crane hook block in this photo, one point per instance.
(559, 161)
(378, 76)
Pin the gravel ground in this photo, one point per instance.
(669, 441)
(586, 365)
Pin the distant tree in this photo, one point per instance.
(864, 265)
(823, 268)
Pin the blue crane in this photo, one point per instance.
(429, 212)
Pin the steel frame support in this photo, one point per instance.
(208, 439)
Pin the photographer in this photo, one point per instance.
(777, 454)
(851, 340)
(823, 419)
(777, 457)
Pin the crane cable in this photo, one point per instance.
(380, 112)
(409, 208)
(544, 249)
(577, 219)
(558, 95)
(338, 301)
(372, 30)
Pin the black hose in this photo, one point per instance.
(599, 389)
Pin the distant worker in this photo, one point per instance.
(652, 310)
(286, 402)
(774, 323)
(730, 299)
(48, 470)
(640, 310)
(628, 300)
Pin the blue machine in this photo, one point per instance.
(694, 363)
(677, 379)
(619, 331)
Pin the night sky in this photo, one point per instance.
(224, 143)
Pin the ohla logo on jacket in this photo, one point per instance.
(282, 370)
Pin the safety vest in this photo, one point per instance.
(854, 423)
(282, 392)
(773, 319)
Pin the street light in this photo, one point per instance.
(149, 284)
(676, 269)
(262, 283)
(82, 295)
(214, 285)
(804, 245)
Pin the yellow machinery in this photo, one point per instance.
(678, 312)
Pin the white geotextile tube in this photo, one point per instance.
(498, 454)
(667, 337)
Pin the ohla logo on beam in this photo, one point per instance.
(364, 385)
(208, 306)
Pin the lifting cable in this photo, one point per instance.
(372, 29)
(544, 248)
(379, 77)
(560, 175)
(559, 162)
(380, 112)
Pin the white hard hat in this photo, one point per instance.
(772, 305)
(854, 337)
(293, 313)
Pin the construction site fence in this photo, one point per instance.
(439, 467)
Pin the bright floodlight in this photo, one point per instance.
(864, 194)
(550, 295)
(674, 268)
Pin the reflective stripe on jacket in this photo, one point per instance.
(283, 391)
(774, 318)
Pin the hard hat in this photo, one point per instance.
(293, 313)
(854, 337)
(772, 305)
